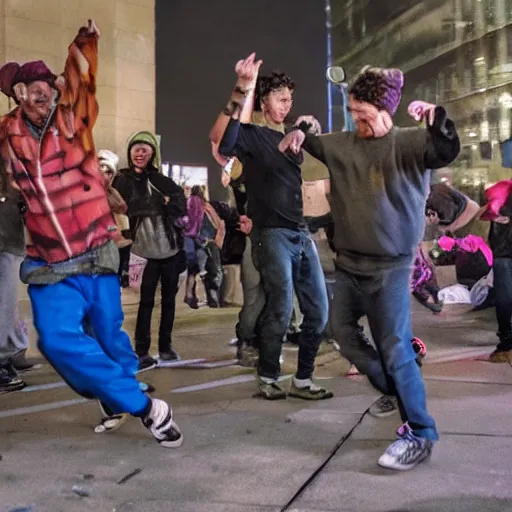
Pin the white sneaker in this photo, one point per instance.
(160, 423)
(406, 452)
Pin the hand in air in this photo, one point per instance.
(420, 110)
(292, 141)
(247, 71)
(92, 28)
(245, 224)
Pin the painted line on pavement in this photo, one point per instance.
(41, 408)
(178, 364)
(187, 363)
(43, 387)
(452, 357)
(217, 364)
(238, 379)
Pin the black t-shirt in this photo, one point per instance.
(272, 179)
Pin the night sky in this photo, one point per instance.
(197, 46)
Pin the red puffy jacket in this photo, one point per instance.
(59, 176)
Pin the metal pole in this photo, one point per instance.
(328, 26)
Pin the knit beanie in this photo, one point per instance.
(380, 87)
(146, 137)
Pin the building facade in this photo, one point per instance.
(33, 30)
(457, 53)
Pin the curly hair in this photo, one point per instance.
(379, 87)
(268, 84)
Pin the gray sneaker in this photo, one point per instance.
(269, 390)
(311, 392)
(383, 407)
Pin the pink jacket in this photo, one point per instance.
(470, 243)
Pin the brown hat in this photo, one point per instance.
(12, 74)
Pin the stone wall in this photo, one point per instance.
(43, 29)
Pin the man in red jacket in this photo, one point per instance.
(72, 261)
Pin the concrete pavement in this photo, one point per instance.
(245, 454)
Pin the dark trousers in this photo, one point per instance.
(287, 260)
(503, 297)
(167, 272)
(213, 278)
(254, 299)
(391, 367)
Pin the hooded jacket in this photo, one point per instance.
(150, 193)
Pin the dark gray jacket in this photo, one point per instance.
(379, 188)
(12, 239)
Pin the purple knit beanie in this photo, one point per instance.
(380, 87)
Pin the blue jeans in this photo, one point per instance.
(503, 295)
(392, 368)
(103, 366)
(288, 260)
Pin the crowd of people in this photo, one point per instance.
(83, 218)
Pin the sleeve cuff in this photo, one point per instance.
(443, 124)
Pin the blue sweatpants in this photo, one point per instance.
(101, 367)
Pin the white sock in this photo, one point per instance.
(302, 383)
(268, 380)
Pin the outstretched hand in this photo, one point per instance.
(420, 110)
(292, 141)
(247, 71)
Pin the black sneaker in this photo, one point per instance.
(172, 355)
(160, 423)
(146, 363)
(383, 407)
(9, 379)
(406, 452)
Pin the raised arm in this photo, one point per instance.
(443, 144)
(240, 103)
(77, 84)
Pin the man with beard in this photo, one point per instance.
(379, 183)
(72, 261)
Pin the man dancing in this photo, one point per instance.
(379, 183)
(72, 261)
(282, 250)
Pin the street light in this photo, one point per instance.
(336, 76)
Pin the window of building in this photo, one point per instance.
(490, 13)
